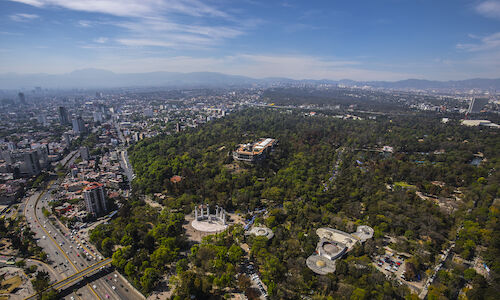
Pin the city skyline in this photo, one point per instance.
(387, 40)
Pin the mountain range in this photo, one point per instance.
(97, 78)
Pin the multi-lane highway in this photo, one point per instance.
(70, 253)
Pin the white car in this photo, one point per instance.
(113, 287)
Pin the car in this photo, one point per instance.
(113, 287)
(94, 286)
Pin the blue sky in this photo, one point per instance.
(335, 39)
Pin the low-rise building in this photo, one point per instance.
(256, 151)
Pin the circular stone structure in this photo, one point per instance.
(206, 222)
(320, 264)
(262, 231)
(363, 233)
(208, 226)
(331, 249)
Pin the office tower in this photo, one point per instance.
(98, 116)
(79, 125)
(43, 154)
(84, 153)
(95, 199)
(31, 163)
(63, 115)
(22, 99)
(67, 138)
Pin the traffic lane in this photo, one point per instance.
(72, 252)
(60, 263)
(123, 288)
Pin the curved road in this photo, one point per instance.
(69, 254)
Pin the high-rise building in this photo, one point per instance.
(63, 115)
(84, 153)
(95, 199)
(98, 116)
(43, 154)
(22, 98)
(7, 157)
(79, 125)
(67, 138)
(31, 163)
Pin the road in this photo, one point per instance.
(447, 252)
(124, 161)
(69, 254)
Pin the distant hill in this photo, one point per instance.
(476, 83)
(97, 78)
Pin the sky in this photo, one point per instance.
(310, 39)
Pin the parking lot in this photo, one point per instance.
(255, 279)
(390, 265)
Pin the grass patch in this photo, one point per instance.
(8, 285)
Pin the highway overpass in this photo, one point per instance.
(77, 276)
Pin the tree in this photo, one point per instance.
(41, 281)
(234, 253)
(149, 280)
(107, 246)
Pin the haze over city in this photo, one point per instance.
(358, 40)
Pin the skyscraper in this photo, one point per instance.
(67, 138)
(21, 97)
(79, 125)
(84, 153)
(31, 163)
(95, 199)
(63, 115)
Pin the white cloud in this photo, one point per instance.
(84, 23)
(160, 23)
(487, 43)
(23, 17)
(144, 43)
(490, 8)
(101, 40)
(132, 8)
(161, 33)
